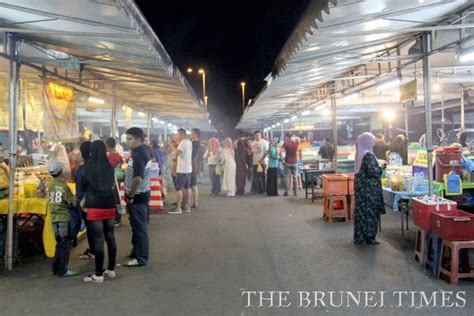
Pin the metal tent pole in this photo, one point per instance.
(334, 128)
(442, 112)
(426, 43)
(463, 122)
(282, 133)
(148, 127)
(14, 76)
(114, 115)
(406, 121)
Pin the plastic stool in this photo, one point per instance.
(433, 253)
(456, 248)
(330, 212)
(420, 246)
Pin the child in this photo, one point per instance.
(60, 200)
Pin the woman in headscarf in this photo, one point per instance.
(99, 185)
(212, 155)
(60, 153)
(272, 172)
(241, 160)
(368, 192)
(229, 167)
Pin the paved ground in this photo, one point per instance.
(201, 262)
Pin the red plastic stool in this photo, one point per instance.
(330, 212)
(456, 252)
(420, 246)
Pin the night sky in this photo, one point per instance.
(233, 40)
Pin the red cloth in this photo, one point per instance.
(114, 159)
(98, 214)
(291, 149)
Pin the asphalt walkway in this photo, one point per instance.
(203, 262)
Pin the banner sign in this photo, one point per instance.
(5, 107)
(408, 91)
(60, 112)
(34, 107)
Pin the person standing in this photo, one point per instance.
(291, 148)
(115, 161)
(327, 151)
(229, 167)
(399, 146)
(158, 154)
(241, 160)
(98, 182)
(273, 164)
(137, 195)
(184, 169)
(213, 156)
(380, 147)
(60, 201)
(369, 203)
(259, 153)
(86, 155)
(197, 160)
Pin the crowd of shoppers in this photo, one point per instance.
(97, 202)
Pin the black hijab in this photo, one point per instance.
(98, 171)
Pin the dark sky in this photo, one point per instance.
(233, 40)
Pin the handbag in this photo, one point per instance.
(219, 170)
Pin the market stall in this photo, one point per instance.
(87, 62)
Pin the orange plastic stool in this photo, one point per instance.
(330, 212)
(420, 246)
(452, 271)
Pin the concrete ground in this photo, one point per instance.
(202, 262)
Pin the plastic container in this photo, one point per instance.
(350, 182)
(30, 189)
(447, 159)
(424, 207)
(335, 184)
(453, 226)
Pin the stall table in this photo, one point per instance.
(400, 201)
(310, 176)
(36, 206)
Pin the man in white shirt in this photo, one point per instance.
(259, 153)
(184, 169)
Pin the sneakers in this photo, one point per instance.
(94, 279)
(110, 274)
(133, 263)
(285, 194)
(194, 207)
(68, 273)
(187, 211)
(86, 255)
(175, 211)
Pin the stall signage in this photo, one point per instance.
(60, 92)
(408, 91)
(421, 159)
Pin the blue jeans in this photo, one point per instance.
(138, 220)
(291, 170)
(62, 234)
(259, 180)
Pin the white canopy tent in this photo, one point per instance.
(104, 49)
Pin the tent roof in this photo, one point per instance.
(355, 44)
(110, 44)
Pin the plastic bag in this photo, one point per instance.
(453, 184)
(418, 181)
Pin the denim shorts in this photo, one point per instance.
(183, 181)
(193, 179)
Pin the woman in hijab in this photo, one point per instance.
(241, 160)
(229, 167)
(98, 183)
(368, 192)
(212, 155)
(60, 153)
(272, 172)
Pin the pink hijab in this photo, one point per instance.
(213, 145)
(229, 146)
(365, 144)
